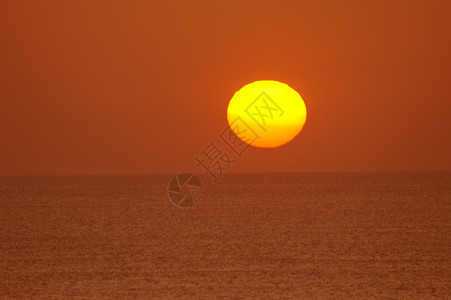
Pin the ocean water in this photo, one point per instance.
(251, 236)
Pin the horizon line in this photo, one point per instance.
(225, 174)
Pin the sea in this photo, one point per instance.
(250, 236)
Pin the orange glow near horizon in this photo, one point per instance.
(268, 110)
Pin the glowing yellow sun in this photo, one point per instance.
(266, 113)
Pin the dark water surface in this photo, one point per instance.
(259, 236)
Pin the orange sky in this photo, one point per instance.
(110, 87)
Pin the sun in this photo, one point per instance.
(266, 113)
